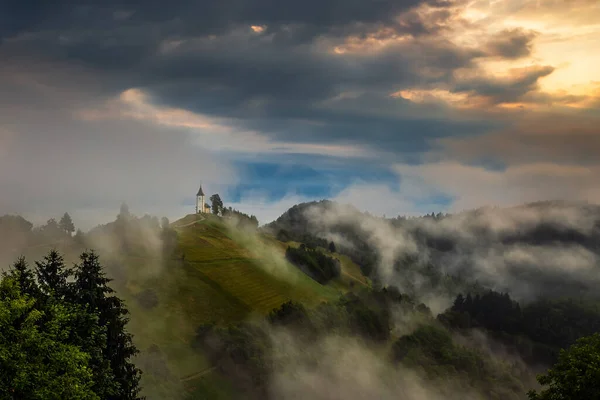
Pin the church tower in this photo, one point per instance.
(200, 208)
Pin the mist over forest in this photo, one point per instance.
(259, 199)
(471, 305)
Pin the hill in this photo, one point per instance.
(196, 288)
(197, 270)
(213, 274)
(531, 250)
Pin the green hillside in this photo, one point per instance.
(216, 275)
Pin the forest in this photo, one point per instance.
(417, 328)
(63, 333)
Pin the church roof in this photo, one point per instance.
(200, 192)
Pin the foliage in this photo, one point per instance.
(36, 359)
(243, 220)
(66, 224)
(314, 263)
(217, 204)
(331, 247)
(537, 331)
(576, 375)
(432, 349)
(91, 290)
(62, 333)
(288, 313)
(243, 351)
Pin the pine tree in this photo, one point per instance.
(217, 204)
(92, 291)
(459, 303)
(52, 275)
(332, 247)
(35, 359)
(25, 277)
(66, 224)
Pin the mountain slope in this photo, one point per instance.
(204, 271)
(216, 274)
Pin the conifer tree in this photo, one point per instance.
(217, 204)
(52, 275)
(36, 362)
(92, 291)
(66, 224)
(25, 277)
(332, 247)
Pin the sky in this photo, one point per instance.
(394, 106)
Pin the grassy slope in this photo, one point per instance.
(226, 275)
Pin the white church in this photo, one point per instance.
(201, 206)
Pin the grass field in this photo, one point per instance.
(217, 275)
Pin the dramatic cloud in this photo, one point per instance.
(511, 43)
(145, 100)
(53, 161)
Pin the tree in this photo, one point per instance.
(576, 375)
(64, 339)
(52, 230)
(52, 275)
(332, 247)
(24, 276)
(66, 224)
(91, 290)
(217, 204)
(36, 360)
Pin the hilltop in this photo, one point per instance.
(200, 269)
(204, 278)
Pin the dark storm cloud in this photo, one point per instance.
(286, 81)
(186, 17)
(511, 43)
(506, 90)
(242, 74)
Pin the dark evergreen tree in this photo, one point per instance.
(36, 362)
(92, 292)
(25, 277)
(459, 303)
(66, 224)
(332, 247)
(217, 204)
(52, 275)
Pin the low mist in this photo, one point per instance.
(529, 251)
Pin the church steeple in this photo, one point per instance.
(200, 204)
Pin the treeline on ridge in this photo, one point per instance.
(245, 351)
(536, 331)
